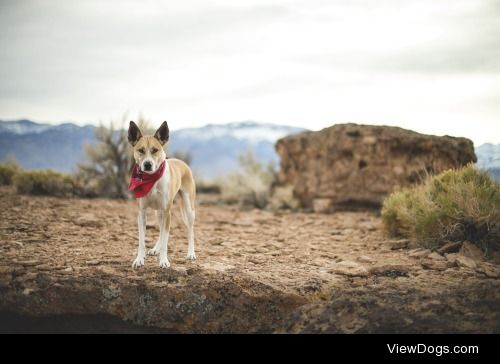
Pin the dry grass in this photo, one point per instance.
(253, 186)
(456, 205)
(7, 172)
(250, 186)
(45, 182)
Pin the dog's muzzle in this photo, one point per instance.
(147, 165)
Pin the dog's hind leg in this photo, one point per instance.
(188, 215)
(156, 249)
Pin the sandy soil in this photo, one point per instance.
(302, 272)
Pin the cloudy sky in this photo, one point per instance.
(428, 65)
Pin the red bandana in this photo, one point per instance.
(141, 183)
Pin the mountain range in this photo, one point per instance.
(488, 158)
(214, 148)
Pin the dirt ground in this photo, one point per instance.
(257, 271)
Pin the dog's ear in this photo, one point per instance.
(134, 133)
(162, 134)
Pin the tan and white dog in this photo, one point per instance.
(177, 177)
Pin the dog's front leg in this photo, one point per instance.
(159, 218)
(141, 251)
(164, 235)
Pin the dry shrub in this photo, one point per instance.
(7, 172)
(44, 182)
(106, 170)
(456, 205)
(251, 185)
(203, 186)
(282, 197)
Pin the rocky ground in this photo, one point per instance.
(65, 265)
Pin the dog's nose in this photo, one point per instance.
(148, 166)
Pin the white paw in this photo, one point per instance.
(153, 251)
(138, 262)
(191, 256)
(164, 263)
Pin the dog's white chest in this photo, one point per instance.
(158, 196)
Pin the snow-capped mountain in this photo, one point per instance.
(20, 127)
(214, 149)
(246, 130)
(488, 158)
(42, 146)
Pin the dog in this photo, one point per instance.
(156, 181)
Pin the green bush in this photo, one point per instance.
(456, 205)
(44, 182)
(7, 173)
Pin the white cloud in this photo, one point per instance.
(429, 66)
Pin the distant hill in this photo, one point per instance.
(214, 148)
(488, 158)
(41, 146)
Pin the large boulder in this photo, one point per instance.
(350, 165)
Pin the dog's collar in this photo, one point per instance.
(141, 173)
(141, 183)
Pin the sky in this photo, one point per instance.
(428, 65)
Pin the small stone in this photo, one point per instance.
(88, 220)
(435, 264)
(349, 268)
(257, 260)
(399, 244)
(435, 256)
(30, 263)
(107, 270)
(465, 262)
(450, 248)
(472, 251)
(44, 267)
(452, 257)
(489, 270)
(365, 259)
(418, 253)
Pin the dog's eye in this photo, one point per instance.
(142, 151)
(154, 150)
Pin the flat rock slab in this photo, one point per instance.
(257, 271)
